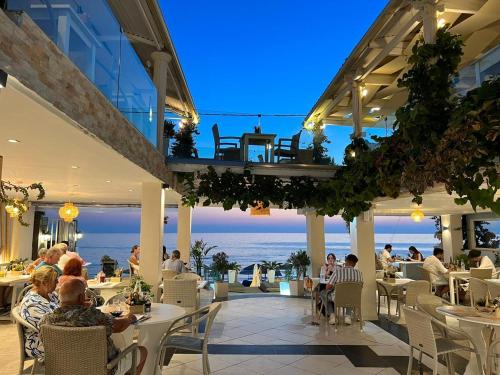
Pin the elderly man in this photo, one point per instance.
(76, 312)
(346, 274)
(175, 263)
(66, 255)
(51, 259)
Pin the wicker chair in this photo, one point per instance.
(478, 290)
(422, 338)
(21, 325)
(22, 293)
(383, 292)
(413, 290)
(492, 363)
(80, 351)
(494, 290)
(187, 276)
(348, 295)
(481, 273)
(168, 274)
(193, 344)
(182, 293)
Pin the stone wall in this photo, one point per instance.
(31, 57)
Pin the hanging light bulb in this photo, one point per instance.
(68, 212)
(417, 215)
(309, 125)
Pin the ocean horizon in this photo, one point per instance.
(244, 248)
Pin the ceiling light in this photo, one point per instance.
(441, 22)
(374, 109)
(364, 92)
(13, 141)
(3, 79)
(417, 215)
(68, 212)
(75, 167)
(309, 125)
(108, 181)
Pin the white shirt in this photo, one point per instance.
(435, 267)
(385, 258)
(174, 265)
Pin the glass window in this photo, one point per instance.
(487, 234)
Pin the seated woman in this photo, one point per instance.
(72, 270)
(415, 255)
(38, 302)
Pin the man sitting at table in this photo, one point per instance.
(75, 311)
(50, 260)
(437, 271)
(175, 263)
(385, 256)
(66, 255)
(346, 274)
(481, 261)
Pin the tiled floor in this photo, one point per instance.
(272, 335)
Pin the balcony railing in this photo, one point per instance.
(89, 34)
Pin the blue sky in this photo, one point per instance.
(263, 56)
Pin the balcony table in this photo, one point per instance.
(255, 139)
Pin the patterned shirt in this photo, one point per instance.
(33, 308)
(346, 275)
(81, 316)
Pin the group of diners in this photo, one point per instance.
(334, 274)
(58, 297)
(171, 262)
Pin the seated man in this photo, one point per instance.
(76, 312)
(346, 274)
(66, 255)
(175, 263)
(481, 261)
(437, 271)
(385, 256)
(51, 259)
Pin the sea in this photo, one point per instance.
(243, 248)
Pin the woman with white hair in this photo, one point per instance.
(50, 260)
(36, 262)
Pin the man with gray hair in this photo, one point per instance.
(76, 311)
(174, 263)
(66, 255)
(50, 260)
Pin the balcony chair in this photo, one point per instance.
(348, 295)
(422, 338)
(81, 351)
(225, 153)
(194, 344)
(288, 148)
(21, 326)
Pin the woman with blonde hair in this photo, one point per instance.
(38, 302)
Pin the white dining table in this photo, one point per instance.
(480, 327)
(151, 332)
(17, 283)
(107, 289)
(389, 286)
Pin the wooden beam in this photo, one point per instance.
(140, 39)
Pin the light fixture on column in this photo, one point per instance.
(417, 215)
(363, 91)
(3, 79)
(68, 212)
(441, 23)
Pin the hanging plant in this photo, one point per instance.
(319, 151)
(19, 205)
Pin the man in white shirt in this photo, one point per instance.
(434, 265)
(385, 256)
(174, 263)
(481, 261)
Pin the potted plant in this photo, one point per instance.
(220, 266)
(299, 261)
(16, 267)
(199, 251)
(108, 265)
(270, 268)
(168, 133)
(234, 269)
(140, 295)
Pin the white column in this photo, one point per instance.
(452, 237)
(357, 108)
(184, 232)
(152, 212)
(160, 69)
(315, 225)
(21, 237)
(363, 245)
(429, 19)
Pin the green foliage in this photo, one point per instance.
(272, 265)
(320, 152)
(234, 266)
(199, 251)
(168, 129)
(21, 202)
(299, 261)
(220, 265)
(184, 145)
(16, 265)
(437, 139)
(484, 237)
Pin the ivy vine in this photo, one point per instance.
(19, 204)
(438, 138)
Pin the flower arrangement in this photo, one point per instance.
(16, 265)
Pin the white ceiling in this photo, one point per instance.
(50, 144)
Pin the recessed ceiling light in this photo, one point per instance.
(130, 189)
(13, 141)
(75, 167)
(108, 181)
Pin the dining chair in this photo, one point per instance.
(422, 339)
(82, 351)
(22, 293)
(383, 292)
(187, 276)
(182, 293)
(168, 274)
(494, 290)
(478, 290)
(194, 344)
(21, 326)
(412, 291)
(288, 147)
(481, 273)
(226, 153)
(493, 356)
(347, 296)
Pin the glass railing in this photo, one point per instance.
(89, 34)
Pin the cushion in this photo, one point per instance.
(185, 342)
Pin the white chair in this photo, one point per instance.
(21, 326)
(187, 276)
(81, 351)
(481, 273)
(194, 344)
(413, 290)
(492, 363)
(168, 274)
(348, 295)
(383, 292)
(478, 290)
(182, 293)
(494, 290)
(422, 339)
